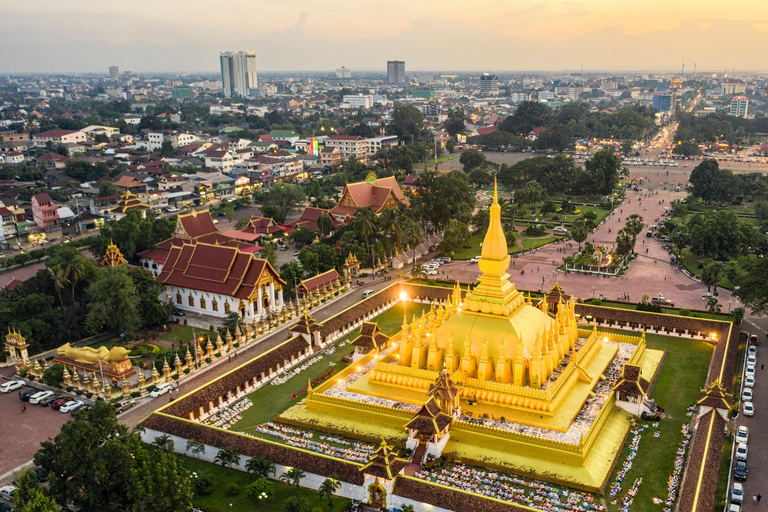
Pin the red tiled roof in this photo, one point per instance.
(345, 137)
(316, 282)
(310, 216)
(196, 224)
(55, 133)
(215, 269)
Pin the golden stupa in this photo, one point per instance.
(495, 333)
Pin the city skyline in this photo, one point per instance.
(296, 36)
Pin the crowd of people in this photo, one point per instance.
(629, 498)
(676, 478)
(511, 488)
(227, 416)
(333, 446)
(626, 465)
(285, 377)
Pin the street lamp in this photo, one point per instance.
(593, 291)
(729, 306)
(542, 286)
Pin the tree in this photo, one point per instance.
(528, 116)
(454, 126)
(579, 231)
(107, 188)
(455, 237)
(53, 375)
(687, 148)
(30, 496)
(721, 235)
(557, 137)
(624, 242)
(325, 224)
(270, 253)
(302, 236)
(227, 457)
(407, 123)
(167, 150)
(196, 447)
(114, 303)
(95, 463)
(713, 305)
(680, 237)
(753, 286)
(603, 168)
(392, 224)
(291, 273)
(164, 442)
(329, 487)
(442, 198)
(296, 503)
(229, 211)
(711, 183)
(710, 275)
(531, 193)
(480, 177)
(259, 490)
(293, 476)
(133, 234)
(260, 467)
(284, 198)
(471, 159)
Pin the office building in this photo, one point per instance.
(663, 102)
(739, 106)
(238, 73)
(489, 84)
(343, 72)
(359, 100)
(395, 71)
(114, 72)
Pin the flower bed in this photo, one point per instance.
(314, 383)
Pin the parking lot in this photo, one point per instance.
(757, 457)
(23, 432)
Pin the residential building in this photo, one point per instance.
(519, 97)
(9, 225)
(349, 145)
(11, 157)
(94, 130)
(285, 135)
(45, 211)
(238, 74)
(663, 102)
(177, 139)
(358, 101)
(219, 159)
(739, 106)
(330, 156)
(734, 86)
(58, 137)
(489, 84)
(375, 144)
(114, 72)
(395, 71)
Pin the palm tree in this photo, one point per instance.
(196, 447)
(74, 270)
(227, 457)
(164, 442)
(407, 508)
(260, 467)
(365, 224)
(419, 272)
(294, 504)
(391, 224)
(329, 487)
(59, 282)
(293, 476)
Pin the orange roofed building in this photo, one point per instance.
(214, 280)
(377, 194)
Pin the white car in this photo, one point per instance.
(70, 406)
(12, 385)
(749, 372)
(431, 272)
(35, 399)
(737, 493)
(7, 492)
(475, 259)
(749, 382)
(749, 409)
(746, 395)
(160, 390)
(751, 361)
(752, 350)
(741, 451)
(742, 435)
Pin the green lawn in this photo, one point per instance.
(220, 501)
(691, 263)
(447, 157)
(677, 387)
(184, 334)
(532, 243)
(269, 401)
(668, 311)
(523, 243)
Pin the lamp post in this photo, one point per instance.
(593, 291)
(543, 280)
(729, 306)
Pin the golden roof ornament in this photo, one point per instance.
(113, 257)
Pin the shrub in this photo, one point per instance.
(136, 394)
(78, 392)
(175, 376)
(217, 354)
(431, 282)
(232, 489)
(185, 321)
(236, 345)
(208, 360)
(151, 388)
(204, 486)
(685, 312)
(70, 388)
(89, 395)
(31, 377)
(596, 302)
(186, 371)
(144, 350)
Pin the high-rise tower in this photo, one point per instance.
(395, 71)
(238, 73)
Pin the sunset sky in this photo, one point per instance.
(321, 35)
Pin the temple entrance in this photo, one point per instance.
(377, 495)
(265, 302)
(242, 310)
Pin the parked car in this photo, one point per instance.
(752, 350)
(45, 402)
(35, 399)
(740, 470)
(284, 247)
(12, 385)
(749, 409)
(751, 360)
(749, 382)
(662, 301)
(431, 272)
(749, 372)
(732, 507)
(71, 406)
(178, 312)
(7, 492)
(741, 451)
(160, 390)
(60, 402)
(24, 396)
(560, 230)
(475, 259)
(737, 493)
(368, 293)
(753, 340)
(746, 395)
(123, 406)
(742, 434)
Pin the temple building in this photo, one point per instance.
(112, 257)
(213, 280)
(127, 202)
(377, 194)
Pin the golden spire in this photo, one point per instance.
(495, 243)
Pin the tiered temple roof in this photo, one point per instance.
(112, 257)
(373, 193)
(370, 337)
(305, 325)
(384, 463)
(430, 419)
(716, 397)
(129, 201)
(631, 383)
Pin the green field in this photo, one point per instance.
(269, 401)
(220, 501)
(691, 263)
(678, 385)
(184, 334)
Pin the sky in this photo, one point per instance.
(430, 35)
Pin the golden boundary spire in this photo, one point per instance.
(494, 288)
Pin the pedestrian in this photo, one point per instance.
(754, 499)
(759, 497)
(230, 358)
(23, 409)
(762, 366)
